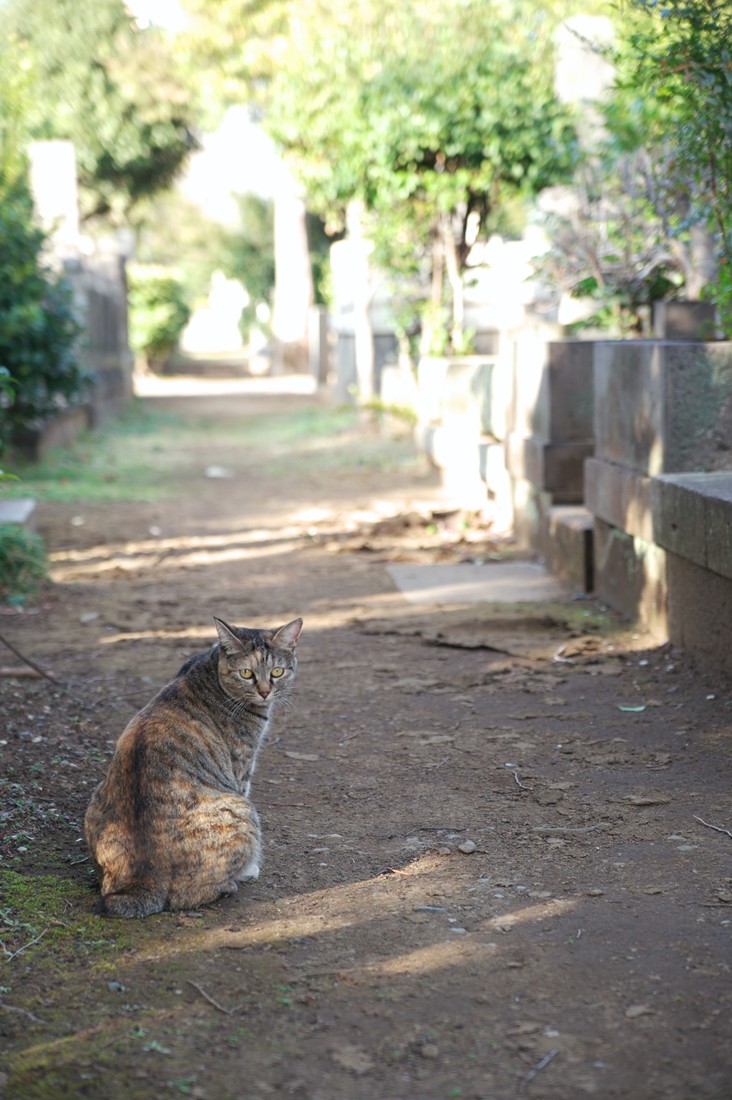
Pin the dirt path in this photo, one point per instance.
(486, 874)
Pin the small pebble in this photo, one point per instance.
(429, 1050)
(467, 847)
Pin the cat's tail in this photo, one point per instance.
(137, 899)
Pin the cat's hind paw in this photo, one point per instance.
(249, 872)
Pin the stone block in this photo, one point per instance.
(20, 513)
(700, 613)
(36, 443)
(571, 388)
(553, 389)
(567, 540)
(695, 321)
(631, 577)
(692, 517)
(628, 422)
(619, 497)
(554, 467)
(663, 407)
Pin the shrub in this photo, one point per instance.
(22, 563)
(38, 326)
(158, 313)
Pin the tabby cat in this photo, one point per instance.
(172, 826)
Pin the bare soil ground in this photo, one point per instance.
(498, 839)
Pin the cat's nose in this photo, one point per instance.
(264, 691)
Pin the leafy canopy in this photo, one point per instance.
(95, 78)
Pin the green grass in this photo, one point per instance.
(147, 455)
(22, 563)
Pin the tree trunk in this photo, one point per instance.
(455, 279)
(432, 315)
(362, 297)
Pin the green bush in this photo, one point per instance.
(38, 326)
(22, 563)
(158, 313)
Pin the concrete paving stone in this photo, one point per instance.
(494, 582)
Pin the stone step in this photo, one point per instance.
(568, 546)
(20, 512)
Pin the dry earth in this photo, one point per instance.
(498, 839)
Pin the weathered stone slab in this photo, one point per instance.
(700, 613)
(684, 320)
(663, 407)
(631, 577)
(692, 517)
(568, 546)
(18, 512)
(496, 582)
(554, 467)
(620, 497)
(553, 389)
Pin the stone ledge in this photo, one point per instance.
(692, 517)
(620, 497)
(553, 466)
(20, 512)
(568, 546)
(688, 514)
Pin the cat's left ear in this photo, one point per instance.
(230, 644)
(287, 636)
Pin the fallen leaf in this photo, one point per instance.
(301, 755)
(631, 710)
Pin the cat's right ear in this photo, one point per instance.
(287, 635)
(230, 644)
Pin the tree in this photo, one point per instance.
(95, 78)
(38, 326)
(431, 114)
(676, 56)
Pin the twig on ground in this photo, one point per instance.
(535, 1070)
(15, 673)
(520, 784)
(14, 954)
(436, 766)
(211, 1000)
(27, 661)
(4, 1006)
(717, 828)
(73, 862)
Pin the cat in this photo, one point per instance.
(171, 826)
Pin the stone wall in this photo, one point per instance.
(100, 290)
(660, 488)
(611, 460)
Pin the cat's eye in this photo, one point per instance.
(246, 673)
(276, 672)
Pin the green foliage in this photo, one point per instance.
(431, 114)
(38, 326)
(176, 233)
(249, 252)
(677, 58)
(22, 563)
(611, 245)
(158, 312)
(93, 77)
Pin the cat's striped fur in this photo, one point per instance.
(172, 826)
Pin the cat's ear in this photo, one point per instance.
(230, 644)
(287, 636)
